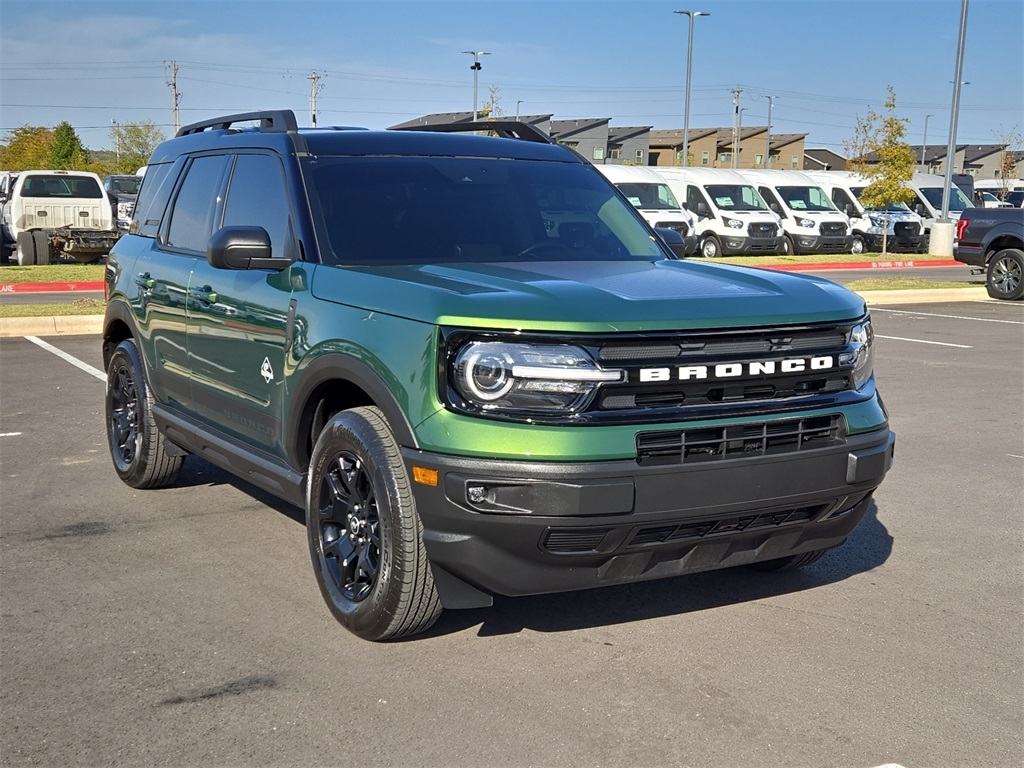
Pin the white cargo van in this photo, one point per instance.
(1013, 187)
(811, 223)
(928, 188)
(903, 229)
(732, 218)
(653, 198)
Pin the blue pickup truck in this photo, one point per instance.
(992, 241)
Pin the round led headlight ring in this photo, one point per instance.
(485, 374)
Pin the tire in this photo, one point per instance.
(365, 536)
(857, 245)
(791, 563)
(42, 243)
(710, 248)
(1005, 278)
(25, 249)
(139, 451)
(787, 246)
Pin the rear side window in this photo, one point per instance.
(153, 196)
(61, 186)
(196, 205)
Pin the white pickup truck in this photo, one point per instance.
(51, 215)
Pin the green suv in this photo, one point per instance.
(477, 368)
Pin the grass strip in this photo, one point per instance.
(79, 307)
(52, 273)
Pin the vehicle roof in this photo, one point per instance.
(61, 173)
(630, 173)
(356, 142)
(703, 174)
(777, 176)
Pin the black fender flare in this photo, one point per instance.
(346, 368)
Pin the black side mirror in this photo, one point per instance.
(920, 211)
(673, 240)
(702, 210)
(243, 248)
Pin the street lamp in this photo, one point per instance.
(924, 145)
(475, 66)
(686, 105)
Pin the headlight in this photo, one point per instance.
(732, 223)
(878, 221)
(806, 223)
(860, 357)
(524, 378)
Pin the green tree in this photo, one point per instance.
(133, 144)
(68, 152)
(28, 147)
(880, 137)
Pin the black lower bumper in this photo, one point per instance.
(738, 246)
(522, 528)
(822, 243)
(895, 243)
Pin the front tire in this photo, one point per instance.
(365, 536)
(137, 448)
(1005, 279)
(710, 247)
(787, 246)
(857, 246)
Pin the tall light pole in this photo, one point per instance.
(768, 138)
(686, 104)
(924, 144)
(475, 66)
(954, 112)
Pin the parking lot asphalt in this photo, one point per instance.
(184, 627)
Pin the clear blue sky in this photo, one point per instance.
(384, 62)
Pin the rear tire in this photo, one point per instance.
(791, 563)
(137, 448)
(25, 249)
(365, 535)
(1005, 278)
(42, 243)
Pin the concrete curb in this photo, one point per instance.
(70, 325)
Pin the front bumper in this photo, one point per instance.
(812, 243)
(552, 527)
(738, 246)
(894, 243)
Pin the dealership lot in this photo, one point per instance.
(184, 626)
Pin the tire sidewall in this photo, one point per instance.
(350, 431)
(1012, 254)
(716, 249)
(857, 245)
(126, 355)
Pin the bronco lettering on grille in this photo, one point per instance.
(734, 370)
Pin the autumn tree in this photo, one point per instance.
(27, 147)
(880, 138)
(133, 144)
(1010, 143)
(68, 153)
(492, 107)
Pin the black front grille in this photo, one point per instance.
(689, 446)
(906, 228)
(711, 527)
(574, 540)
(762, 230)
(833, 228)
(678, 226)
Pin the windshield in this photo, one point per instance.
(442, 210)
(1015, 198)
(124, 185)
(805, 199)
(735, 197)
(649, 195)
(61, 186)
(896, 207)
(957, 200)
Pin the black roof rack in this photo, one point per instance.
(506, 129)
(272, 121)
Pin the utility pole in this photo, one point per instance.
(314, 89)
(117, 143)
(175, 95)
(924, 144)
(736, 127)
(768, 139)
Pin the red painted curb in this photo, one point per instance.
(93, 285)
(862, 265)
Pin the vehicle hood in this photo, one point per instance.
(595, 297)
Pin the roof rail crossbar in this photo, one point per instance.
(506, 129)
(272, 121)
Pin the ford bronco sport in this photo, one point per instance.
(477, 368)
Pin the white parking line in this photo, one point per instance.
(9, 434)
(65, 356)
(954, 317)
(922, 341)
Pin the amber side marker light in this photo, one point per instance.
(425, 476)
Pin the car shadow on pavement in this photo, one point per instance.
(868, 547)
